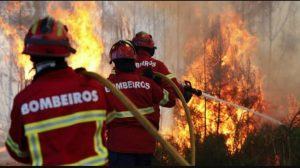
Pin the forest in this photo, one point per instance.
(243, 52)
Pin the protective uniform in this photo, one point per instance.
(145, 60)
(125, 134)
(144, 93)
(57, 119)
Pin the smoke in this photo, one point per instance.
(179, 30)
(278, 53)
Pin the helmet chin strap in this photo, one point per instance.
(44, 65)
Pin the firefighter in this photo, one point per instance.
(129, 144)
(57, 119)
(146, 64)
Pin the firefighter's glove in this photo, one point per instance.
(187, 95)
(148, 72)
(157, 80)
(79, 70)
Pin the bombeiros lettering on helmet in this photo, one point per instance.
(130, 85)
(58, 101)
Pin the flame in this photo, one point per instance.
(83, 22)
(228, 74)
(13, 37)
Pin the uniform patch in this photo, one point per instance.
(145, 64)
(57, 101)
(131, 85)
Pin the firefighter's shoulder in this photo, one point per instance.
(88, 78)
(161, 67)
(158, 62)
(26, 92)
(146, 79)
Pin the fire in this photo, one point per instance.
(225, 69)
(15, 41)
(83, 22)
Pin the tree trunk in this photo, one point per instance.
(153, 18)
(177, 39)
(219, 54)
(270, 10)
(205, 100)
(134, 17)
(164, 34)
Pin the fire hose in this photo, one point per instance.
(188, 115)
(137, 114)
(266, 117)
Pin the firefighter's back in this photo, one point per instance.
(122, 125)
(128, 142)
(62, 113)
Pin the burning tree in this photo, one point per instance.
(225, 69)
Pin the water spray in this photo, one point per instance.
(199, 93)
(264, 116)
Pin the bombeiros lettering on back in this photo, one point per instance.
(131, 85)
(145, 64)
(57, 101)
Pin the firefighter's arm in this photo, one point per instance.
(148, 72)
(162, 96)
(185, 90)
(16, 142)
(164, 70)
(109, 109)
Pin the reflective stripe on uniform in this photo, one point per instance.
(127, 114)
(35, 150)
(165, 99)
(59, 29)
(34, 28)
(113, 72)
(15, 147)
(64, 121)
(170, 76)
(99, 148)
(32, 130)
(90, 161)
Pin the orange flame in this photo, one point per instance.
(83, 22)
(229, 74)
(15, 41)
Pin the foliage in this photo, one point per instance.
(267, 146)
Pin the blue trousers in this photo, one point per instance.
(129, 159)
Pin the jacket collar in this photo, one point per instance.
(143, 54)
(117, 72)
(57, 73)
